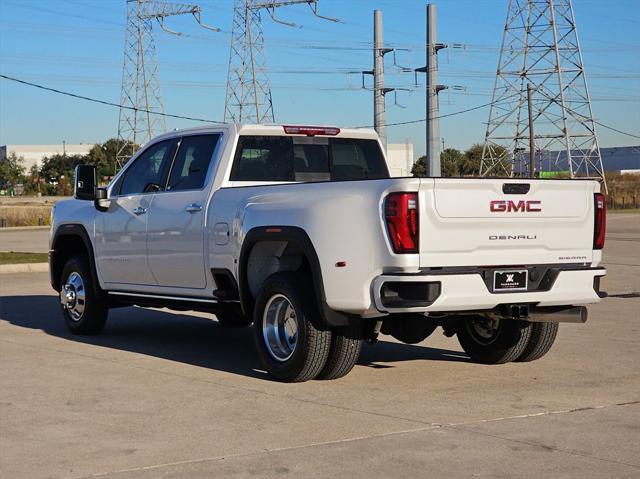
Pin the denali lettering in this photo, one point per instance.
(512, 237)
(501, 206)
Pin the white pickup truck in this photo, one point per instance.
(301, 231)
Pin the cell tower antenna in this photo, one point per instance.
(248, 96)
(140, 97)
(540, 48)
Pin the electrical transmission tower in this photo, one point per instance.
(141, 103)
(248, 97)
(540, 52)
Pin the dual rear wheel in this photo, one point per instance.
(496, 341)
(292, 343)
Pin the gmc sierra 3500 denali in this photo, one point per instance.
(301, 231)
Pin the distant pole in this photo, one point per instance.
(379, 111)
(433, 110)
(532, 146)
(64, 148)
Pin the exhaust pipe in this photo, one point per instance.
(576, 314)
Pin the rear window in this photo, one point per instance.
(285, 158)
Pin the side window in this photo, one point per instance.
(148, 173)
(263, 158)
(191, 165)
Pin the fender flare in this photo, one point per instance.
(71, 229)
(291, 234)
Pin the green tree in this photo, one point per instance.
(419, 168)
(103, 157)
(451, 161)
(59, 169)
(473, 159)
(12, 171)
(32, 183)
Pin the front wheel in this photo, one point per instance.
(83, 309)
(493, 341)
(291, 343)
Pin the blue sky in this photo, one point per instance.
(77, 45)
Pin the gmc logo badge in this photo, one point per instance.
(502, 206)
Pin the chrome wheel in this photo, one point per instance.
(72, 296)
(280, 328)
(484, 330)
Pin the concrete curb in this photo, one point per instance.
(24, 228)
(24, 268)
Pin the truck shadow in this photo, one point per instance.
(187, 339)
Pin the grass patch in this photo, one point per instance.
(24, 215)
(21, 258)
(628, 210)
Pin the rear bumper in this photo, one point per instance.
(469, 292)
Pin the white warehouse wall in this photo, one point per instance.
(33, 154)
(400, 158)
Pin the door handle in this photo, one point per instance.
(139, 211)
(193, 208)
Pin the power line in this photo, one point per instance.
(616, 130)
(104, 102)
(411, 122)
(203, 120)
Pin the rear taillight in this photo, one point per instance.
(600, 220)
(401, 213)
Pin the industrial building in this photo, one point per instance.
(33, 154)
(400, 158)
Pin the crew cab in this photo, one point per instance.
(301, 232)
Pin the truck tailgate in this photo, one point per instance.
(491, 222)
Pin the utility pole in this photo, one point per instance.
(532, 143)
(248, 97)
(379, 90)
(540, 57)
(432, 90)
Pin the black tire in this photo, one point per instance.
(233, 320)
(543, 335)
(94, 309)
(343, 354)
(502, 345)
(311, 349)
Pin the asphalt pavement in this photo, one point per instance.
(25, 240)
(174, 395)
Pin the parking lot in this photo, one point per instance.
(166, 394)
